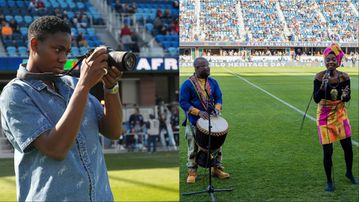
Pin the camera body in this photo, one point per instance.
(122, 60)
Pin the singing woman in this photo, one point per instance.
(331, 92)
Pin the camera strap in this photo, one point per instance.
(26, 75)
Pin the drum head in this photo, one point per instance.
(219, 125)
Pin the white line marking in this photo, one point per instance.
(280, 100)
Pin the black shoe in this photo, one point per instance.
(351, 178)
(330, 187)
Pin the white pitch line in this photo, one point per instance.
(280, 100)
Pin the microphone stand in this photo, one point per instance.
(210, 188)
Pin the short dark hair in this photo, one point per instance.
(47, 25)
(197, 60)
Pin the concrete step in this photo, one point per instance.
(106, 37)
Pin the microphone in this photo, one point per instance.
(327, 74)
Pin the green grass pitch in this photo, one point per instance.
(269, 159)
(133, 177)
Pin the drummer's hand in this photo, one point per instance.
(203, 114)
(216, 112)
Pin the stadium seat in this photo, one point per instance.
(75, 51)
(19, 19)
(11, 4)
(80, 5)
(91, 31)
(27, 19)
(83, 50)
(11, 49)
(23, 31)
(22, 49)
(149, 27)
(8, 18)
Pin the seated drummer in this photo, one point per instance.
(193, 99)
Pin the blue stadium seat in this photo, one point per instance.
(63, 5)
(79, 30)
(11, 4)
(70, 14)
(72, 5)
(21, 4)
(19, 19)
(139, 16)
(149, 27)
(75, 51)
(22, 50)
(91, 31)
(80, 5)
(27, 19)
(11, 49)
(160, 38)
(74, 31)
(8, 18)
(23, 31)
(83, 50)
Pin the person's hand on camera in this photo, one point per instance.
(94, 67)
(203, 115)
(112, 77)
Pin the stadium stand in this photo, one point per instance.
(159, 19)
(304, 22)
(269, 20)
(218, 20)
(188, 20)
(85, 17)
(341, 18)
(81, 15)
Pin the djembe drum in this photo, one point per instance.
(218, 134)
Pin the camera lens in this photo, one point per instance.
(130, 61)
(124, 61)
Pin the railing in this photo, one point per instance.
(208, 44)
(138, 142)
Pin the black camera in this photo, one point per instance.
(122, 60)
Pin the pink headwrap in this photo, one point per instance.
(339, 54)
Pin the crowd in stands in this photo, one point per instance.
(303, 21)
(262, 21)
(269, 20)
(218, 21)
(188, 20)
(149, 132)
(341, 19)
(16, 16)
(160, 19)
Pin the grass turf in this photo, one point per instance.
(133, 177)
(269, 159)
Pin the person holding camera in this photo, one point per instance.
(192, 99)
(331, 91)
(54, 123)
